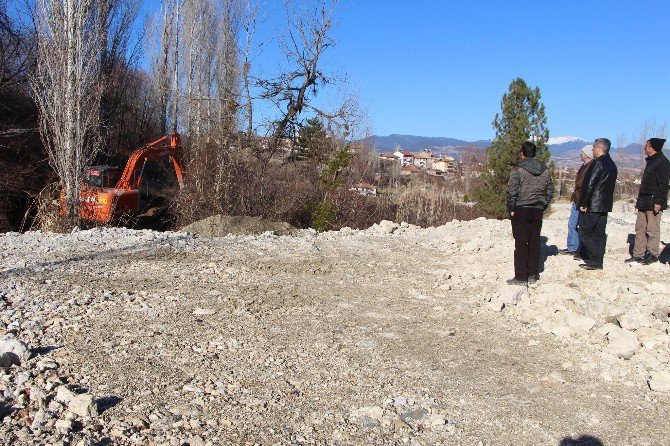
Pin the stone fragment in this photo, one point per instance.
(659, 382)
(64, 426)
(622, 343)
(579, 322)
(414, 416)
(204, 312)
(506, 296)
(373, 412)
(12, 351)
(662, 313)
(437, 420)
(83, 405)
(64, 395)
(386, 227)
(634, 319)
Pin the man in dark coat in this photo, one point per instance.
(573, 235)
(596, 201)
(652, 200)
(530, 190)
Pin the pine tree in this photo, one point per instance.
(522, 120)
(309, 142)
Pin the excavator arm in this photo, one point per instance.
(156, 150)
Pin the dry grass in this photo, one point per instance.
(44, 212)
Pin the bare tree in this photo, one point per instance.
(251, 19)
(162, 48)
(15, 50)
(119, 54)
(308, 37)
(67, 87)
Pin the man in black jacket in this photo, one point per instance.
(529, 192)
(595, 203)
(652, 200)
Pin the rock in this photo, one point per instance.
(634, 319)
(659, 382)
(662, 313)
(83, 405)
(204, 312)
(64, 426)
(506, 296)
(414, 416)
(7, 360)
(553, 378)
(495, 305)
(622, 343)
(579, 322)
(64, 395)
(12, 350)
(437, 420)
(386, 227)
(373, 412)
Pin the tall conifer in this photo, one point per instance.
(521, 119)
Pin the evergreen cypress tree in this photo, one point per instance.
(522, 119)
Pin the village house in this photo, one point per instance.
(406, 158)
(445, 164)
(388, 157)
(364, 189)
(424, 159)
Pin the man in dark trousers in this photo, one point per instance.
(530, 190)
(652, 200)
(573, 236)
(595, 203)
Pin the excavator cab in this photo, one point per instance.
(104, 177)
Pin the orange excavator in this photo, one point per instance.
(109, 194)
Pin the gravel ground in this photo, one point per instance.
(392, 335)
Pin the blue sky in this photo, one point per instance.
(439, 68)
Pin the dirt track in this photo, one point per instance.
(354, 337)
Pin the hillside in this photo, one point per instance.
(392, 335)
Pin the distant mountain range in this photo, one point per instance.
(564, 149)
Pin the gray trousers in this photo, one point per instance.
(647, 234)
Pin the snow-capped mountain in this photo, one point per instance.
(565, 139)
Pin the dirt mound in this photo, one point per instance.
(221, 225)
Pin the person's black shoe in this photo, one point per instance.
(533, 279)
(577, 256)
(650, 259)
(634, 260)
(567, 252)
(589, 267)
(517, 282)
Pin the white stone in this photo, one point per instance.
(579, 322)
(204, 312)
(374, 412)
(12, 350)
(64, 426)
(64, 395)
(622, 343)
(83, 405)
(660, 381)
(386, 227)
(634, 319)
(506, 296)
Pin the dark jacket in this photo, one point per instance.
(655, 183)
(579, 181)
(530, 185)
(599, 184)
